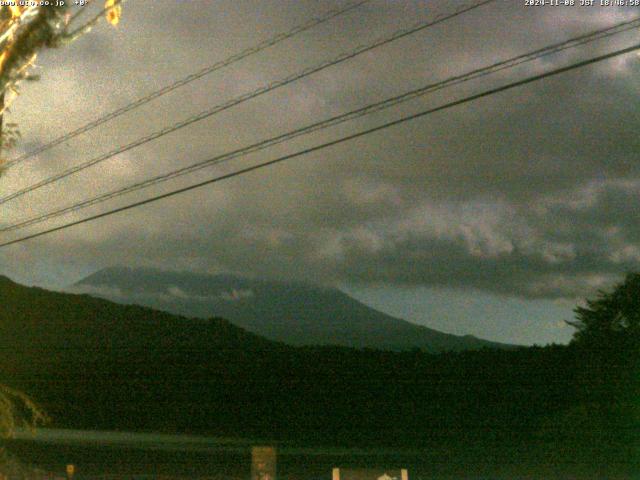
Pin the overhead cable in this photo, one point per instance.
(322, 146)
(338, 119)
(243, 98)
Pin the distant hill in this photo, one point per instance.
(293, 313)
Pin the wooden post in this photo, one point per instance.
(263, 463)
(369, 474)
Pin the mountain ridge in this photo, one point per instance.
(290, 312)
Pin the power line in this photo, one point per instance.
(243, 98)
(344, 139)
(96, 18)
(80, 10)
(331, 14)
(378, 106)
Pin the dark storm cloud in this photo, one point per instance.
(530, 193)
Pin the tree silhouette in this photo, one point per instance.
(27, 29)
(608, 341)
(612, 320)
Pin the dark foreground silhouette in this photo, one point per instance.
(572, 409)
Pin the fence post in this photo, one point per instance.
(263, 463)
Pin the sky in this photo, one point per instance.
(493, 218)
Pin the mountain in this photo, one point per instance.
(293, 313)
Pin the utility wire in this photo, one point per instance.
(96, 18)
(80, 10)
(378, 106)
(190, 78)
(243, 98)
(347, 138)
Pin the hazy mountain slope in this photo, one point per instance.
(294, 313)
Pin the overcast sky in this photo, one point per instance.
(491, 218)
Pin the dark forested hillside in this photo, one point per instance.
(95, 364)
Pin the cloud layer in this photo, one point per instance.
(530, 193)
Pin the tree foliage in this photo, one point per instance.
(26, 30)
(613, 318)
